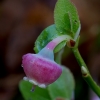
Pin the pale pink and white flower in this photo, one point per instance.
(40, 68)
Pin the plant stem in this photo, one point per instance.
(52, 44)
(85, 72)
(58, 56)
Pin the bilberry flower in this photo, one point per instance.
(40, 68)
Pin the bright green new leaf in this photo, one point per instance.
(63, 87)
(48, 35)
(66, 18)
(38, 94)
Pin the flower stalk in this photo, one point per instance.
(85, 72)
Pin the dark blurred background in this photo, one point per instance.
(21, 21)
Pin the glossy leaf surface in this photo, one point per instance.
(48, 35)
(63, 87)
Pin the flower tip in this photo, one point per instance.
(35, 83)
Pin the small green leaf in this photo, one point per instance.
(48, 35)
(38, 94)
(63, 87)
(66, 18)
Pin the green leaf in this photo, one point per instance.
(63, 87)
(48, 35)
(66, 18)
(38, 94)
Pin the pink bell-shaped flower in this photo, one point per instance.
(41, 69)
